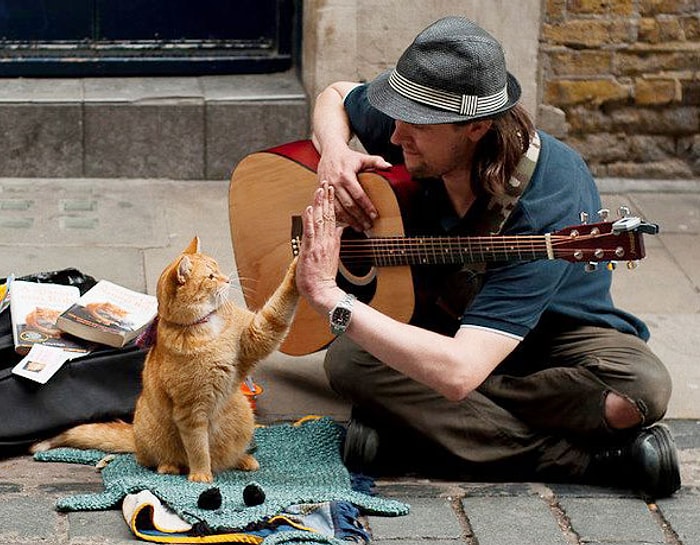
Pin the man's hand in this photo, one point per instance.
(319, 254)
(340, 169)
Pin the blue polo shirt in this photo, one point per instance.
(516, 297)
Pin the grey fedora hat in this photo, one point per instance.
(453, 71)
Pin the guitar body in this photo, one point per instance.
(268, 188)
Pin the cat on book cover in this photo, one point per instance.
(191, 416)
(43, 320)
(107, 314)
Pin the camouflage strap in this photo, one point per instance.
(500, 206)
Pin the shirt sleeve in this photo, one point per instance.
(372, 127)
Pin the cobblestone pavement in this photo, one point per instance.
(441, 512)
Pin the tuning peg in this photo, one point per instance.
(591, 266)
(623, 211)
(603, 214)
(611, 265)
(631, 265)
(583, 216)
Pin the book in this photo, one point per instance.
(34, 310)
(109, 314)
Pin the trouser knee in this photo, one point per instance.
(653, 391)
(346, 366)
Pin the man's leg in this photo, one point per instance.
(546, 422)
(589, 384)
(478, 433)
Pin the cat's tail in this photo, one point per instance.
(110, 437)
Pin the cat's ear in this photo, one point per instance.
(184, 269)
(193, 248)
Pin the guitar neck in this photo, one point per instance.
(397, 251)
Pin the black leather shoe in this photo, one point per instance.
(648, 462)
(361, 447)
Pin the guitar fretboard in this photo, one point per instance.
(396, 251)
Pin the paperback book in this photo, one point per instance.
(109, 314)
(35, 308)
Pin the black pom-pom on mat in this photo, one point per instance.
(253, 494)
(210, 499)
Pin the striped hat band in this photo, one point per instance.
(466, 105)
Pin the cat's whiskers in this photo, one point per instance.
(237, 284)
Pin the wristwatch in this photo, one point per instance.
(339, 316)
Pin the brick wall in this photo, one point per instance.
(620, 82)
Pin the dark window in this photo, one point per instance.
(146, 37)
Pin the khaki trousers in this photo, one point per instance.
(539, 414)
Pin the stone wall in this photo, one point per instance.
(620, 82)
(357, 39)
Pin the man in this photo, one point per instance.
(517, 370)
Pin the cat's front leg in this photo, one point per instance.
(270, 323)
(198, 458)
(194, 433)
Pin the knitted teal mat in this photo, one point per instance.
(299, 463)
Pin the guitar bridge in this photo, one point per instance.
(297, 231)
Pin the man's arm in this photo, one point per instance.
(340, 164)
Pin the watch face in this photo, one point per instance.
(341, 315)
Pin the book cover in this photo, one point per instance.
(109, 314)
(34, 309)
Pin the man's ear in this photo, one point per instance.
(477, 129)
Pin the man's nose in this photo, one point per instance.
(398, 132)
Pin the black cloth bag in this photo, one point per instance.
(98, 387)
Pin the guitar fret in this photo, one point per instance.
(469, 249)
(423, 255)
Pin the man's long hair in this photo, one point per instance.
(499, 151)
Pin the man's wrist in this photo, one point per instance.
(340, 315)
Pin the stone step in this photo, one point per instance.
(180, 128)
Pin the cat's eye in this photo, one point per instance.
(211, 276)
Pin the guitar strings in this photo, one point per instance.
(449, 248)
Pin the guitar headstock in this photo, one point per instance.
(606, 241)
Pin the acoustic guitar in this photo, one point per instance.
(270, 188)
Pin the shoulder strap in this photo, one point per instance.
(500, 206)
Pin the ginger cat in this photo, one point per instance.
(191, 415)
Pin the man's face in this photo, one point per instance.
(432, 151)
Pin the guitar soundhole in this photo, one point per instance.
(356, 271)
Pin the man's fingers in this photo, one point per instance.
(352, 206)
(376, 161)
(309, 228)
